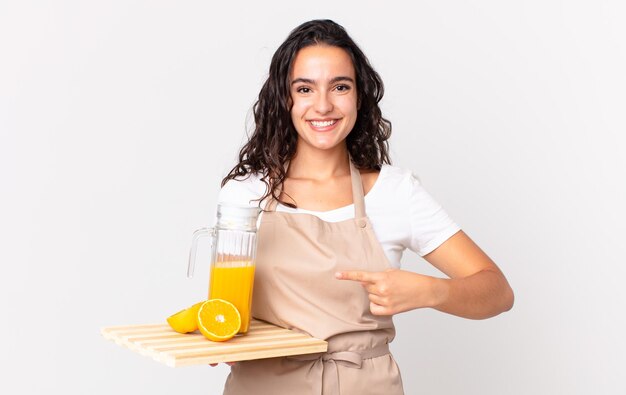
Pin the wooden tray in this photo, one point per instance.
(263, 340)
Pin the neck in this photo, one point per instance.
(319, 164)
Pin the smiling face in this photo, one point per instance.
(324, 97)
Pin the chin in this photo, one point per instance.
(325, 145)
(321, 142)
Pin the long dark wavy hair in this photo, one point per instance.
(273, 141)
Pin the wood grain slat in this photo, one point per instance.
(263, 340)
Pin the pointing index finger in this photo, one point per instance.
(355, 275)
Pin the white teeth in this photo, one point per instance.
(321, 124)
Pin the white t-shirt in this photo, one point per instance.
(403, 215)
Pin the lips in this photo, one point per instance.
(323, 125)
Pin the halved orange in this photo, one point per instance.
(218, 320)
(185, 321)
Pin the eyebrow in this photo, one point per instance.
(313, 82)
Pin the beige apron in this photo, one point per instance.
(295, 287)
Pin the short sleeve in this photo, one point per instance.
(430, 224)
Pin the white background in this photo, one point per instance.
(119, 118)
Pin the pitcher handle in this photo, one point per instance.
(202, 232)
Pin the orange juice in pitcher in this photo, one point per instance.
(233, 257)
(234, 282)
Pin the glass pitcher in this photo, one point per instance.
(233, 241)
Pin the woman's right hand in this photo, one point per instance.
(227, 363)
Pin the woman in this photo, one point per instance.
(337, 218)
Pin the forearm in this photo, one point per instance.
(479, 296)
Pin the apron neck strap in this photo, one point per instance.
(357, 192)
(271, 205)
(358, 196)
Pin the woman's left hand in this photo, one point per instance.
(395, 291)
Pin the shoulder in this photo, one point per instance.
(399, 187)
(392, 186)
(404, 184)
(243, 191)
(393, 177)
(388, 174)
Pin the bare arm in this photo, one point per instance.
(475, 289)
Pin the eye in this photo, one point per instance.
(303, 89)
(343, 88)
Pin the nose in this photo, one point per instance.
(323, 103)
